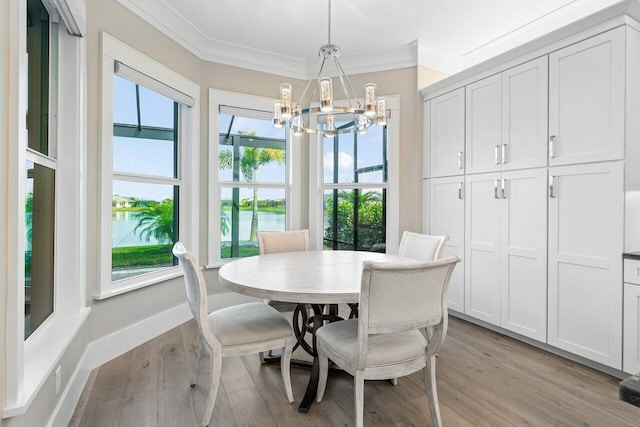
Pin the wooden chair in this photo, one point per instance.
(232, 331)
(397, 300)
(421, 247)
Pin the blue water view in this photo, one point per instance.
(124, 223)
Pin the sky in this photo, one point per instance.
(155, 157)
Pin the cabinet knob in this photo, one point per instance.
(460, 160)
(552, 146)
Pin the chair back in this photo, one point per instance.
(196, 290)
(421, 246)
(271, 242)
(397, 297)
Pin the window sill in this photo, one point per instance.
(41, 355)
(138, 282)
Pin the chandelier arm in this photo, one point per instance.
(344, 77)
(318, 70)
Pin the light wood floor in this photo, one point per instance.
(484, 379)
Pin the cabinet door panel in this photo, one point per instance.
(483, 125)
(446, 216)
(482, 248)
(586, 100)
(446, 134)
(631, 357)
(524, 115)
(524, 253)
(585, 272)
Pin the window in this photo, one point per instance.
(251, 190)
(44, 226)
(353, 188)
(41, 165)
(146, 185)
(149, 169)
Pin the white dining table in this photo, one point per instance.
(305, 277)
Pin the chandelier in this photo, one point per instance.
(318, 113)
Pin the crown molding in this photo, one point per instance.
(175, 26)
(438, 59)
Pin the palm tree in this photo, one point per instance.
(252, 159)
(156, 220)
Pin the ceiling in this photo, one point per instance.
(283, 37)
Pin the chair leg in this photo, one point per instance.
(261, 356)
(201, 350)
(358, 385)
(216, 368)
(394, 381)
(324, 373)
(285, 364)
(432, 392)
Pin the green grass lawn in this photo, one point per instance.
(244, 251)
(134, 256)
(269, 209)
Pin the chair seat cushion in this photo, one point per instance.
(383, 349)
(248, 323)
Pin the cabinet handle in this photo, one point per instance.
(460, 165)
(460, 190)
(552, 146)
(504, 153)
(495, 188)
(552, 190)
(503, 188)
(496, 154)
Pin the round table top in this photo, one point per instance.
(316, 277)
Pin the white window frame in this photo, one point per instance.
(30, 362)
(292, 186)
(188, 157)
(317, 185)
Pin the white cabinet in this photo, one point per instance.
(505, 250)
(587, 100)
(524, 253)
(524, 115)
(483, 125)
(482, 247)
(631, 347)
(585, 273)
(445, 132)
(506, 119)
(446, 216)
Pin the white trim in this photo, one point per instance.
(137, 282)
(15, 164)
(38, 359)
(113, 345)
(188, 157)
(241, 101)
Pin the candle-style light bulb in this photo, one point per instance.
(277, 115)
(370, 99)
(285, 100)
(326, 94)
(362, 125)
(381, 112)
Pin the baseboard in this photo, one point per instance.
(71, 395)
(543, 346)
(113, 345)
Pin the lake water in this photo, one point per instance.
(125, 222)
